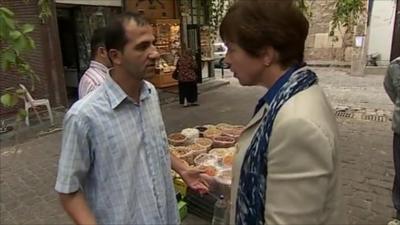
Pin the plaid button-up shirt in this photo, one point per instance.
(115, 151)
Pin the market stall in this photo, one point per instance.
(168, 44)
(210, 148)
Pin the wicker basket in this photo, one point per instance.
(197, 149)
(223, 142)
(177, 139)
(212, 133)
(206, 142)
(183, 153)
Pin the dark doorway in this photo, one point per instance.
(69, 50)
(195, 45)
(396, 34)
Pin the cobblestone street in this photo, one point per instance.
(27, 175)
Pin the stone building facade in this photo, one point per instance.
(339, 47)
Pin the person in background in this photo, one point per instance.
(187, 79)
(392, 87)
(115, 165)
(96, 74)
(286, 168)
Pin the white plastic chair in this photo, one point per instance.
(32, 103)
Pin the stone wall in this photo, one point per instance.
(320, 46)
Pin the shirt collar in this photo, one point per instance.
(396, 60)
(97, 65)
(269, 96)
(117, 95)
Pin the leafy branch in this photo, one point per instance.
(16, 41)
(305, 7)
(347, 14)
(44, 10)
(216, 11)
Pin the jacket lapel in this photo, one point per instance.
(256, 118)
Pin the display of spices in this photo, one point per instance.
(177, 139)
(191, 134)
(212, 133)
(201, 129)
(209, 148)
(197, 149)
(223, 142)
(205, 159)
(206, 142)
(183, 152)
(233, 133)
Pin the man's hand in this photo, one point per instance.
(191, 176)
(194, 179)
(215, 188)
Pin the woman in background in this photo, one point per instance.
(187, 79)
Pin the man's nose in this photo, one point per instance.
(154, 53)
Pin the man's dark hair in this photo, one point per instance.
(257, 24)
(115, 33)
(98, 40)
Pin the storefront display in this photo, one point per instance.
(167, 32)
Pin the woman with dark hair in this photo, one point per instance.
(286, 166)
(187, 79)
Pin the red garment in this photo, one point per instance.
(186, 67)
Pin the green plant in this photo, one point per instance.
(216, 11)
(305, 6)
(15, 42)
(44, 9)
(347, 14)
(218, 8)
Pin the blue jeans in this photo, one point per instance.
(396, 183)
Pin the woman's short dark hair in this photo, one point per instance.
(115, 32)
(256, 24)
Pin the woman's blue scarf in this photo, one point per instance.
(251, 197)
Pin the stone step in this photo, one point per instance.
(375, 70)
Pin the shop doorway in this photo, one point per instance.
(194, 43)
(69, 50)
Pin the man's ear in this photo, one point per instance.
(103, 52)
(115, 56)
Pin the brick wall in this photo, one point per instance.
(40, 59)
